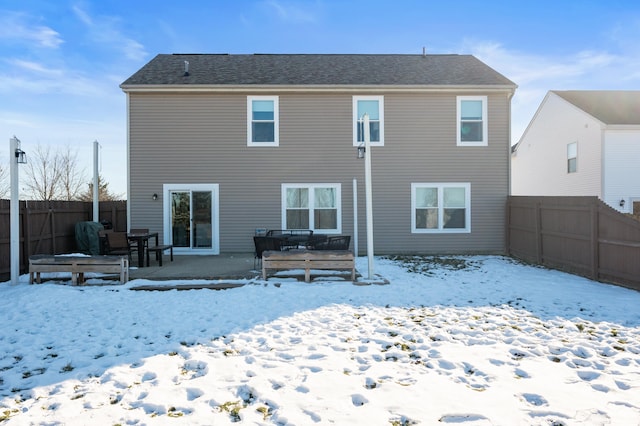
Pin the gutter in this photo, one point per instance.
(307, 88)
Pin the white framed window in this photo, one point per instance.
(374, 107)
(440, 208)
(263, 121)
(312, 206)
(572, 157)
(472, 121)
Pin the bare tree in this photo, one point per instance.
(5, 185)
(72, 179)
(43, 174)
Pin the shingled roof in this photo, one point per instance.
(608, 106)
(319, 70)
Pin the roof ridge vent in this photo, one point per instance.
(186, 68)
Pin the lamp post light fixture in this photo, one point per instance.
(21, 156)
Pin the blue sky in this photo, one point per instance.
(62, 61)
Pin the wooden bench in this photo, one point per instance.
(308, 260)
(158, 250)
(77, 266)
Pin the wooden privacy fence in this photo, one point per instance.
(581, 235)
(48, 227)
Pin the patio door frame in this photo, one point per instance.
(167, 189)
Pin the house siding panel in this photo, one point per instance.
(539, 166)
(621, 172)
(201, 138)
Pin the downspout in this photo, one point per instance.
(507, 212)
(128, 161)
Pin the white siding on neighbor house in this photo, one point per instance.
(539, 165)
(621, 167)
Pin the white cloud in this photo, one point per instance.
(17, 27)
(104, 30)
(536, 74)
(290, 12)
(55, 83)
(35, 67)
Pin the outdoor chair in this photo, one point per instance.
(118, 244)
(337, 242)
(291, 238)
(102, 237)
(264, 243)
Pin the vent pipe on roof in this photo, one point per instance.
(424, 51)
(186, 68)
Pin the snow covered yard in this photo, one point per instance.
(479, 340)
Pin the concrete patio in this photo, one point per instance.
(224, 266)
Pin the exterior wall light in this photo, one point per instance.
(361, 151)
(154, 197)
(622, 203)
(21, 156)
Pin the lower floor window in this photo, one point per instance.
(440, 207)
(311, 206)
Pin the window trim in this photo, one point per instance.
(485, 121)
(440, 186)
(355, 118)
(311, 187)
(276, 120)
(569, 171)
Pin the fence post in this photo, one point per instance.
(595, 237)
(25, 246)
(538, 228)
(508, 224)
(53, 229)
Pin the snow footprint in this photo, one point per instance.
(588, 376)
(370, 383)
(358, 400)
(149, 376)
(476, 419)
(521, 374)
(534, 399)
(193, 369)
(193, 394)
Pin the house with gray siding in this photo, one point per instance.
(222, 145)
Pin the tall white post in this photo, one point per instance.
(96, 189)
(368, 193)
(14, 145)
(355, 217)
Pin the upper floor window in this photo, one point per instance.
(440, 207)
(262, 121)
(472, 120)
(312, 206)
(572, 157)
(374, 107)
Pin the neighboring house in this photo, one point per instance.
(222, 145)
(582, 142)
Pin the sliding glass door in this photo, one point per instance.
(191, 218)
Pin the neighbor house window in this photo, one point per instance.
(440, 207)
(472, 120)
(374, 107)
(311, 206)
(262, 121)
(572, 157)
